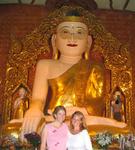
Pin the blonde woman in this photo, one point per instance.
(79, 138)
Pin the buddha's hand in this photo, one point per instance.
(31, 121)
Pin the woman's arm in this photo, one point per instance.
(43, 139)
(87, 140)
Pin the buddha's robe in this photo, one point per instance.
(82, 86)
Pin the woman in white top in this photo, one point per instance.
(79, 138)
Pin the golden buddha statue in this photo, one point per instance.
(75, 81)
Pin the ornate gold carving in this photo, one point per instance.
(24, 54)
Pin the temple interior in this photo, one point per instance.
(24, 42)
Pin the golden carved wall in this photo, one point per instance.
(24, 54)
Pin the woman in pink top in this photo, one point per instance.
(55, 134)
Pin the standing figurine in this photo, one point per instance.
(21, 104)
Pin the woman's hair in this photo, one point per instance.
(57, 109)
(82, 119)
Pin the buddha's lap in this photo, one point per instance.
(95, 124)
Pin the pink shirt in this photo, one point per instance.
(57, 137)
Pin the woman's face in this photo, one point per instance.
(76, 121)
(60, 116)
(72, 38)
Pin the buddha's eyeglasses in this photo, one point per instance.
(77, 34)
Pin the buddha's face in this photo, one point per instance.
(22, 92)
(117, 94)
(72, 38)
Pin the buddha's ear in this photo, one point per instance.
(53, 42)
(88, 46)
(89, 41)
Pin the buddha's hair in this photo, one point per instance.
(73, 12)
(23, 86)
(73, 15)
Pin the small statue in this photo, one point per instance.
(117, 107)
(21, 104)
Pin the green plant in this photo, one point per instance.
(103, 139)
